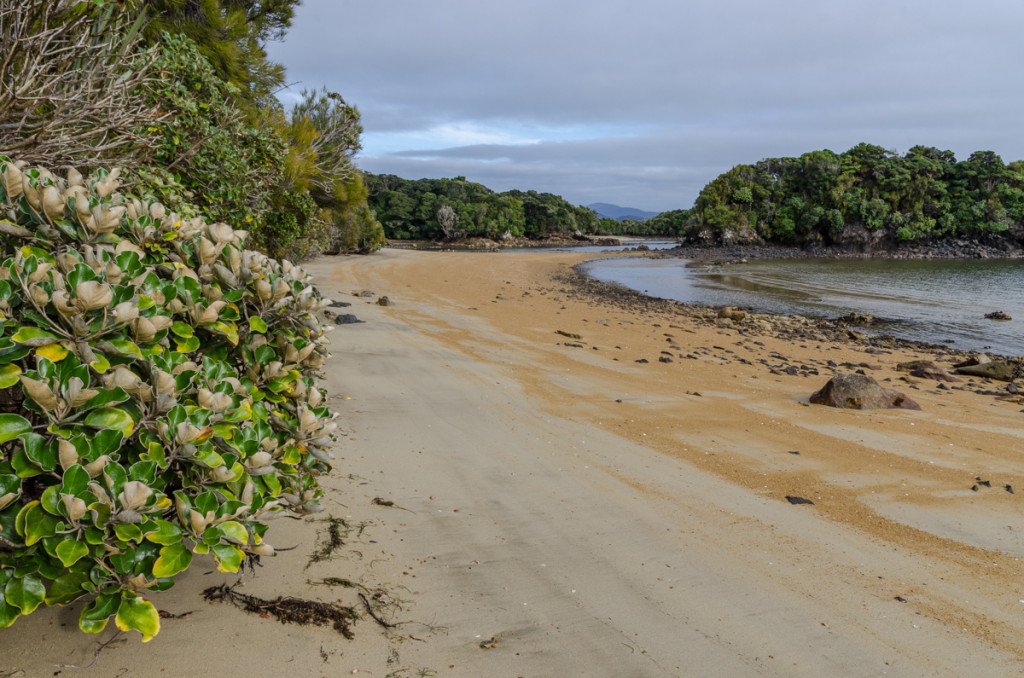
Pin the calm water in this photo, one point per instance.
(938, 301)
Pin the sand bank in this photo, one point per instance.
(561, 509)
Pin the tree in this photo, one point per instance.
(447, 220)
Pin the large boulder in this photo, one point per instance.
(1001, 370)
(860, 392)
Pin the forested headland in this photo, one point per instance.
(450, 209)
(865, 198)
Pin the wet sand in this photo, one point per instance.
(561, 509)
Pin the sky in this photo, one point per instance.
(641, 103)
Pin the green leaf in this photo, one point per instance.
(70, 552)
(34, 337)
(257, 325)
(76, 481)
(23, 466)
(234, 531)
(95, 615)
(101, 364)
(139, 615)
(123, 347)
(106, 397)
(112, 418)
(12, 426)
(166, 533)
(67, 587)
(183, 330)
(9, 375)
(50, 501)
(25, 593)
(36, 523)
(40, 452)
(128, 532)
(174, 558)
(8, 615)
(229, 558)
(187, 345)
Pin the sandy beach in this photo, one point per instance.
(519, 496)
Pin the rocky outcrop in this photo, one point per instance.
(1000, 370)
(860, 392)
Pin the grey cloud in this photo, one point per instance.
(702, 85)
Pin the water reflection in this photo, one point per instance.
(939, 301)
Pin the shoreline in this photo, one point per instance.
(574, 505)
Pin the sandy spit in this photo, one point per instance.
(560, 509)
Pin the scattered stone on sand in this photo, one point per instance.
(912, 365)
(936, 374)
(732, 313)
(860, 392)
(798, 500)
(384, 301)
(998, 315)
(340, 304)
(571, 335)
(347, 319)
(366, 294)
(1000, 370)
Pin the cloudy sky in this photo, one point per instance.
(643, 102)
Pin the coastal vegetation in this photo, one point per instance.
(447, 209)
(180, 95)
(158, 390)
(159, 396)
(865, 197)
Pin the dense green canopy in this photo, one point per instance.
(867, 194)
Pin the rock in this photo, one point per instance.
(916, 365)
(798, 500)
(732, 313)
(384, 301)
(347, 319)
(1000, 370)
(860, 392)
(998, 315)
(365, 294)
(936, 374)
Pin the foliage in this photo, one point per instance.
(160, 397)
(439, 209)
(230, 35)
(867, 194)
(75, 84)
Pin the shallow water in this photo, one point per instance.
(938, 301)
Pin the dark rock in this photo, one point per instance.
(1009, 488)
(798, 500)
(347, 319)
(936, 374)
(998, 315)
(860, 392)
(916, 365)
(1001, 370)
(663, 359)
(339, 304)
(367, 294)
(383, 301)
(641, 361)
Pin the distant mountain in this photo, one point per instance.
(609, 211)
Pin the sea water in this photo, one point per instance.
(936, 301)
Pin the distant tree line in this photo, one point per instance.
(867, 193)
(445, 209)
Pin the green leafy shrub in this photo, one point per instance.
(158, 397)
